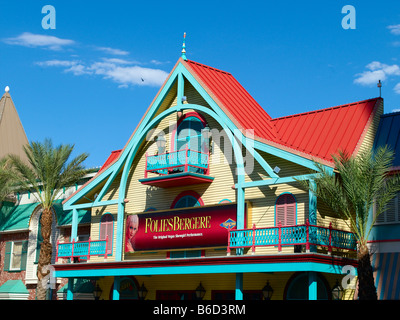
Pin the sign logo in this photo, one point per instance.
(228, 224)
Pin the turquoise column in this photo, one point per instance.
(117, 281)
(239, 286)
(240, 213)
(312, 285)
(312, 208)
(120, 227)
(70, 293)
(74, 228)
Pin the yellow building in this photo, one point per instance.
(204, 200)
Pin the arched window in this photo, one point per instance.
(285, 210)
(189, 132)
(187, 199)
(107, 229)
(297, 287)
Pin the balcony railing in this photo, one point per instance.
(81, 250)
(186, 160)
(306, 234)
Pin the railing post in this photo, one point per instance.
(58, 242)
(228, 250)
(72, 250)
(186, 158)
(279, 236)
(105, 254)
(253, 247)
(145, 167)
(330, 239)
(88, 256)
(307, 236)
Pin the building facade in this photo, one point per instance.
(204, 200)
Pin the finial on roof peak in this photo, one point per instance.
(184, 47)
(6, 89)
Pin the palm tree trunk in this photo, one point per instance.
(45, 254)
(366, 286)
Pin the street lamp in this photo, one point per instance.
(97, 292)
(267, 291)
(337, 291)
(142, 292)
(200, 292)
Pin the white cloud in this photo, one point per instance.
(130, 75)
(56, 63)
(113, 51)
(28, 39)
(376, 71)
(395, 110)
(394, 29)
(396, 88)
(118, 70)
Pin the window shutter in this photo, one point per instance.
(24, 255)
(286, 210)
(106, 229)
(7, 257)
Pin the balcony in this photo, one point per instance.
(177, 168)
(81, 251)
(297, 236)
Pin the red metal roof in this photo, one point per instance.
(233, 99)
(318, 133)
(324, 132)
(111, 158)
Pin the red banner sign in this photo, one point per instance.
(177, 229)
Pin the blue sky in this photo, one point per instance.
(81, 82)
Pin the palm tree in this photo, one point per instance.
(356, 186)
(47, 172)
(6, 179)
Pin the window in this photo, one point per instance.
(15, 256)
(285, 210)
(297, 287)
(189, 133)
(107, 229)
(187, 199)
(392, 212)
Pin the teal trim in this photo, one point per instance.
(215, 268)
(269, 182)
(276, 200)
(239, 286)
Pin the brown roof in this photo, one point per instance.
(12, 133)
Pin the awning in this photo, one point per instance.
(386, 268)
(13, 290)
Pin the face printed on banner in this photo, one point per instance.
(132, 225)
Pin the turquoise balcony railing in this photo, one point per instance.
(186, 160)
(81, 250)
(308, 235)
